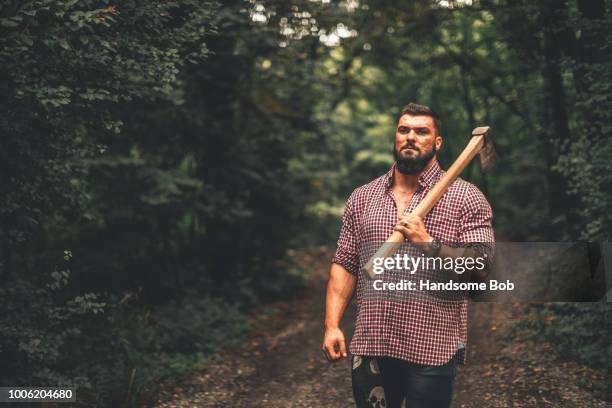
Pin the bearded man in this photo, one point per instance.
(405, 353)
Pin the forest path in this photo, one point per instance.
(281, 364)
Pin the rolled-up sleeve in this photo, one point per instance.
(347, 254)
(477, 223)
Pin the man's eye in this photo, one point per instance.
(422, 131)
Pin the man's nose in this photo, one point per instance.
(411, 135)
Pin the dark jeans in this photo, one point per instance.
(384, 382)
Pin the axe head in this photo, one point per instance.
(487, 153)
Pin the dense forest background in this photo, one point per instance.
(160, 161)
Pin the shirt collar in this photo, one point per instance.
(426, 179)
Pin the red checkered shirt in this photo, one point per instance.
(422, 332)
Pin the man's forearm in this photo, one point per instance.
(413, 229)
(340, 289)
(471, 275)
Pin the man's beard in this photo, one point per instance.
(414, 164)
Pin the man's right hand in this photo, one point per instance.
(340, 288)
(333, 344)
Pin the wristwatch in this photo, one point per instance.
(434, 245)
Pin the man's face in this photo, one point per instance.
(416, 142)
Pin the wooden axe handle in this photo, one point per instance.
(422, 209)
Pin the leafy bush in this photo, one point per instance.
(38, 327)
(579, 331)
(178, 337)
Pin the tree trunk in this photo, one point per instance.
(560, 204)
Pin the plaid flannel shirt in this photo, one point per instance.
(429, 332)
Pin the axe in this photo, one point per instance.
(480, 143)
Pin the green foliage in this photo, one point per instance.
(191, 325)
(178, 338)
(38, 326)
(587, 160)
(68, 70)
(579, 331)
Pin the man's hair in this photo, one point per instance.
(414, 109)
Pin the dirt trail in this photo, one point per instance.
(281, 364)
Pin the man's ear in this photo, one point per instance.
(438, 142)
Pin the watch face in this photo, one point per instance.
(435, 245)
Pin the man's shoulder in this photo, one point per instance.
(468, 194)
(375, 185)
(368, 190)
(464, 186)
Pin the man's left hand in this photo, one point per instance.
(413, 228)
